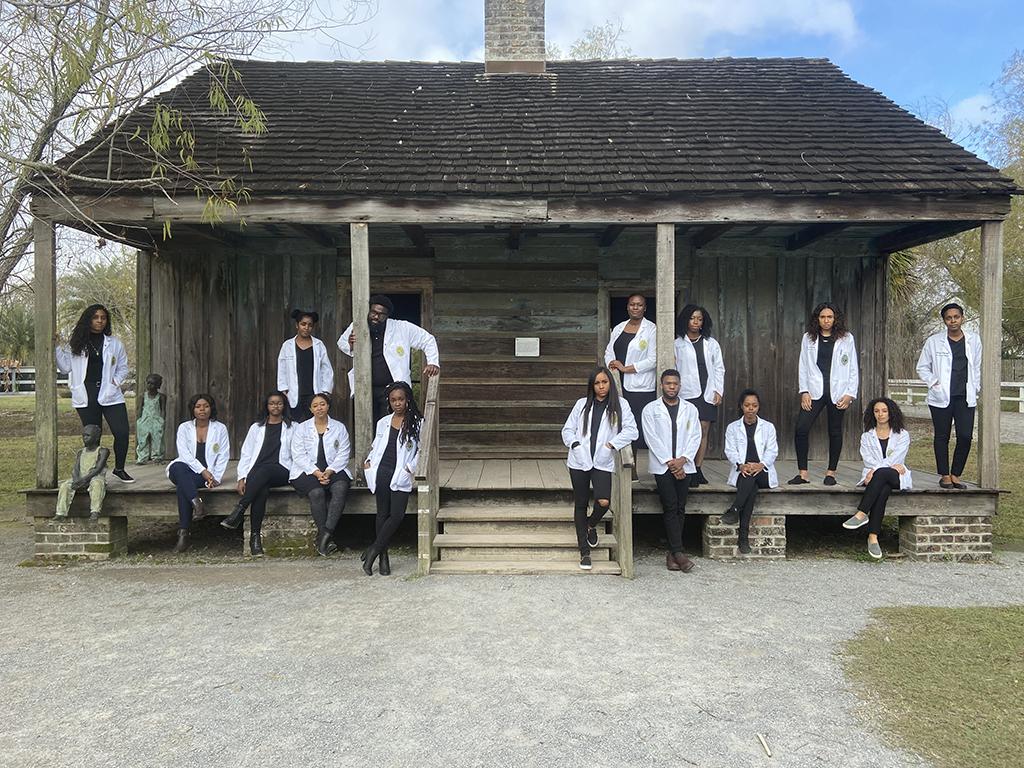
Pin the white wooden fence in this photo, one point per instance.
(23, 381)
(914, 392)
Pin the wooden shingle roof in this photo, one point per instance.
(583, 129)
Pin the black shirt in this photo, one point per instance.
(600, 406)
(389, 460)
(380, 373)
(270, 451)
(321, 456)
(620, 346)
(673, 413)
(702, 366)
(826, 346)
(958, 376)
(304, 368)
(94, 366)
(201, 453)
(751, 457)
(884, 442)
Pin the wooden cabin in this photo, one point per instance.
(520, 199)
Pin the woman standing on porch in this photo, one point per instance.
(598, 425)
(883, 446)
(829, 378)
(203, 450)
(633, 351)
(390, 469)
(303, 367)
(699, 361)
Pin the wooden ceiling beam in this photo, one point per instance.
(319, 235)
(919, 234)
(811, 234)
(611, 233)
(418, 237)
(709, 234)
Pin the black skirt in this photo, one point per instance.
(705, 410)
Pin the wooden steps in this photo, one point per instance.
(522, 568)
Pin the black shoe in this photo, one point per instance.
(744, 547)
(944, 484)
(371, 555)
(585, 563)
(183, 541)
(960, 486)
(830, 480)
(256, 545)
(592, 536)
(323, 544)
(234, 520)
(731, 516)
(123, 476)
(699, 479)
(384, 568)
(797, 481)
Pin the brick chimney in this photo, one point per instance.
(513, 36)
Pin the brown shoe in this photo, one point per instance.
(684, 563)
(670, 562)
(198, 509)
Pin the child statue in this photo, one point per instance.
(149, 427)
(90, 471)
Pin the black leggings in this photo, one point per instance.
(883, 482)
(326, 502)
(258, 483)
(959, 413)
(746, 493)
(673, 493)
(637, 401)
(391, 506)
(805, 420)
(582, 479)
(117, 419)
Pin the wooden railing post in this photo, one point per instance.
(44, 285)
(428, 490)
(622, 522)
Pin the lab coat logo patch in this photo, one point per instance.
(399, 351)
(337, 444)
(845, 360)
(643, 345)
(216, 447)
(113, 360)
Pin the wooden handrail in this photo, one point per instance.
(428, 431)
(622, 493)
(428, 484)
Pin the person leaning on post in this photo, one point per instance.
(672, 426)
(391, 345)
(632, 351)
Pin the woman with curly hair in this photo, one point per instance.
(702, 374)
(390, 469)
(829, 378)
(883, 446)
(97, 364)
(303, 365)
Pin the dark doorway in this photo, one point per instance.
(618, 309)
(408, 307)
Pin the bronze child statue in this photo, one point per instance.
(149, 428)
(90, 472)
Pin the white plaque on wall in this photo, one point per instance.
(527, 346)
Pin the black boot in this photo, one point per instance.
(234, 520)
(183, 541)
(385, 564)
(256, 545)
(323, 543)
(371, 555)
(701, 480)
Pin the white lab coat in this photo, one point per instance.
(254, 442)
(658, 434)
(407, 454)
(400, 338)
(642, 353)
(573, 431)
(767, 448)
(935, 368)
(218, 448)
(306, 443)
(686, 364)
(115, 370)
(871, 452)
(845, 373)
(288, 374)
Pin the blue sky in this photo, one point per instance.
(913, 51)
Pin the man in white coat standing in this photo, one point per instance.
(950, 364)
(391, 345)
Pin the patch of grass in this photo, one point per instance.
(945, 682)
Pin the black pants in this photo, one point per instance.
(187, 484)
(943, 419)
(326, 502)
(673, 494)
(391, 506)
(117, 419)
(258, 483)
(637, 401)
(805, 420)
(746, 493)
(582, 480)
(883, 482)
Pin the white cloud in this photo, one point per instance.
(973, 110)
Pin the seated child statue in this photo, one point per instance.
(90, 472)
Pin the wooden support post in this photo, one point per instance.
(143, 325)
(44, 284)
(665, 292)
(604, 321)
(991, 351)
(363, 405)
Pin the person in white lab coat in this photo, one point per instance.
(598, 425)
(97, 364)
(203, 452)
(950, 364)
(320, 455)
(829, 377)
(699, 362)
(751, 445)
(633, 351)
(390, 469)
(391, 344)
(672, 426)
(263, 463)
(303, 366)
(883, 447)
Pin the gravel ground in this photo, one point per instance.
(309, 663)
